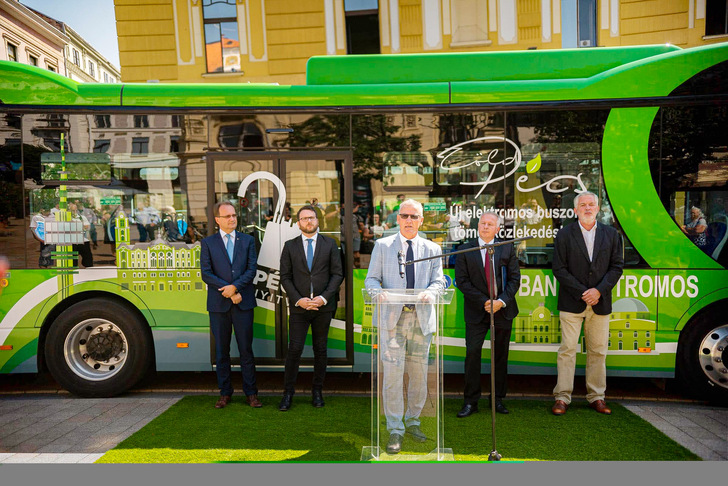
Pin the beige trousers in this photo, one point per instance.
(596, 335)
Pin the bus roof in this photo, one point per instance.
(396, 80)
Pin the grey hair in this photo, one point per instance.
(414, 204)
(585, 193)
(498, 219)
(700, 211)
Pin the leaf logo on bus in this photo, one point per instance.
(458, 157)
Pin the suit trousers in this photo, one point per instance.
(475, 335)
(298, 325)
(222, 325)
(596, 335)
(411, 357)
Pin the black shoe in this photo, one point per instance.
(467, 410)
(500, 408)
(395, 444)
(416, 433)
(317, 399)
(285, 402)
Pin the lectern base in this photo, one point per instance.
(369, 454)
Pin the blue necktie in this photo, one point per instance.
(229, 247)
(309, 254)
(410, 269)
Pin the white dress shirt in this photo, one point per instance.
(589, 236)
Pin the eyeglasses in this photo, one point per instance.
(229, 216)
(413, 217)
(308, 218)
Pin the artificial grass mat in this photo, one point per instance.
(193, 431)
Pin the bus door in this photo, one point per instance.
(268, 189)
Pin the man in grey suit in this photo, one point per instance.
(405, 330)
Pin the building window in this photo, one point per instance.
(635, 334)
(222, 44)
(619, 345)
(620, 334)
(362, 27)
(635, 346)
(141, 121)
(32, 60)
(647, 334)
(140, 145)
(76, 58)
(173, 144)
(102, 146)
(587, 23)
(626, 325)
(91, 69)
(647, 344)
(716, 17)
(175, 121)
(52, 69)
(102, 121)
(106, 77)
(469, 21)
(12, 52)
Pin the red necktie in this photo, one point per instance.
(488, 275)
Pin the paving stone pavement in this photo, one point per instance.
(64, 429)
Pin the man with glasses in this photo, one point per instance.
(228, 262)
(311, 273)
(405, 347)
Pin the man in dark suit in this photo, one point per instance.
(588, 263)
(471, 277)
(311, 273)
(228, 262)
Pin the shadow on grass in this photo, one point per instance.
(193, 431)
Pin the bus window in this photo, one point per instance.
(142, 198)
(13, 238)
(555, 155)
(691, 174)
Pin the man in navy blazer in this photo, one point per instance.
(311, 273)
(588, 263)
(470, 278)
(228, 262)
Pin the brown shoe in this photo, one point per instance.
(600, 407)
(560, 407)
(254, 402)
(223, 401)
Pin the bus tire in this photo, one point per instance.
(702, 358)
(98, 348)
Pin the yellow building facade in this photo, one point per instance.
(271, 40)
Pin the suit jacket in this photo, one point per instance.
(383, 273)
(326, 272)
(217, 271)
(470, 279)
(577, 274)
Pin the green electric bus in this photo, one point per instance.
(107, 189)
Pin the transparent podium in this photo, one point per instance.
(407, 372)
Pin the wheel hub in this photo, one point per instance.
(103, 345)
(95, 349)
(713, 355)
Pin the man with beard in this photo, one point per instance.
(311, 273)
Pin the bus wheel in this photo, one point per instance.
(703, 359)
(98, 348)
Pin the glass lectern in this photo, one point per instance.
(407, 372)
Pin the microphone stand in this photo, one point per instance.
(490, 248)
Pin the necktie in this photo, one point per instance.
(410, 269)
(229, 247)
(488, 275)
(309, 254)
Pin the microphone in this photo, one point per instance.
(400, 261)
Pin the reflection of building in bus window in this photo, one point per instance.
(376, 228)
